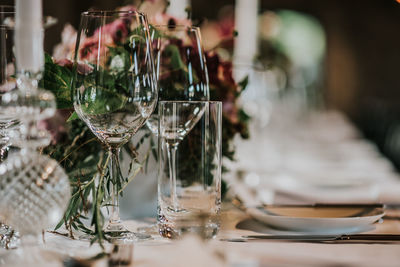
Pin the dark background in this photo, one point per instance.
(362, 66)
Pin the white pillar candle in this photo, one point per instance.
(246, 17)
(28, 35)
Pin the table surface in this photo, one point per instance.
(355, 156)
(193, 252)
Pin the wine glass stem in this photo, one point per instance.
(172, 174)
(114, 223)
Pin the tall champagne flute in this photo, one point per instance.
(115, 89)
(176, 120)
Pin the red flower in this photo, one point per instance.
(223, 86)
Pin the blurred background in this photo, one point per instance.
(337, 54)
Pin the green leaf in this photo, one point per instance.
(134, 170)
(100, 100)
(74, 116)
(243, 116)
(60, 223)
(244, 82)
(154, 33)
(224, 189)
(174, 55)
(57, 79)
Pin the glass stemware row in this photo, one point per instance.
(117, 93)
(115, 85)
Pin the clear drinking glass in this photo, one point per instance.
(189, 182)
(7, 73)
(180, 65)
(115, 89)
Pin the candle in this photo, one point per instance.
(28, 36)
(246, 17)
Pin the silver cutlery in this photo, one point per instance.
(378, 238)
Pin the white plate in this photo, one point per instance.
(321, 220)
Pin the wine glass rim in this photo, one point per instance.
(175, 26)
(110, 13)
(190, 101)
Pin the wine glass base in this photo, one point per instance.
(116, 231)
(149, 229)
(124, 235)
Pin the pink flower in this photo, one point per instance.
(84, 68)
(81, 67)
(64, 63)
(56, 125)
(65, 49)
(117, 29)
(230, 110)
(226, 25)
(165, 19)
(127, 8)
(220, 32)
(111, 33)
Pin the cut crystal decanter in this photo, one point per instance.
(34, 189)
(9, 238)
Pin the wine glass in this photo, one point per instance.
(181, 71)
(7, 72)
(180, 66)
(176, 119)
(114, 88)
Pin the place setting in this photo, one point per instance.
(313, 223)
(305, 212)
(282, 216)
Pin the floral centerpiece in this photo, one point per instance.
(78, 151)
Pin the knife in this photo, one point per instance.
(236, 201)
(327, 205)
(388, 237)
(319, 238)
